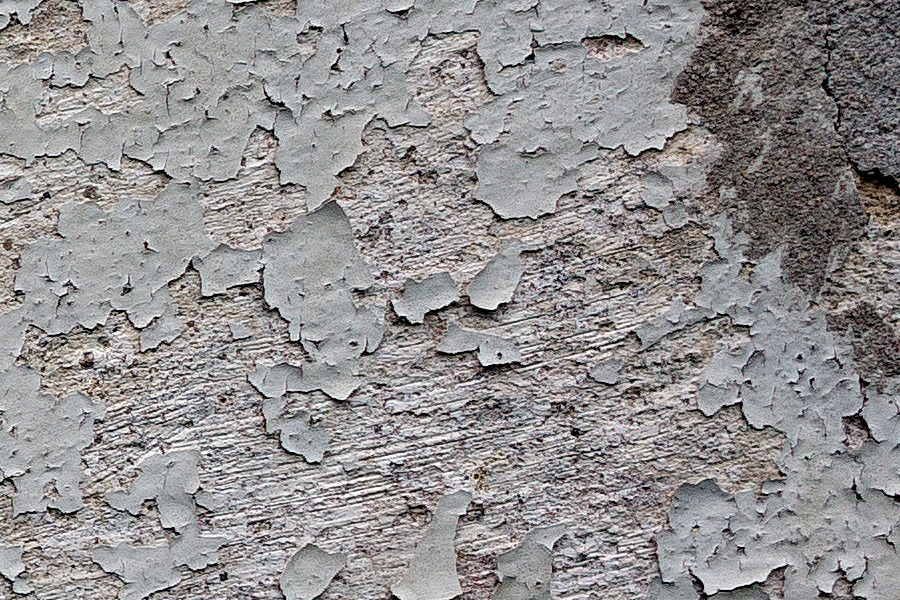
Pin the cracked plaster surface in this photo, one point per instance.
(584, 111)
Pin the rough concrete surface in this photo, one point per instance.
(436, 299)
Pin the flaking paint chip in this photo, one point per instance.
(432, 571)
(525, 571)
(309, 572)
(421, 297)
(491, 349)
(607, 372)
(496, 283)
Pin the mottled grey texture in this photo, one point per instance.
(833, 514)
(15, 190)
(756, 82)
(863, 77)
(558, 102)
(206, 207)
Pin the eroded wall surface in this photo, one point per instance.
(433, 299)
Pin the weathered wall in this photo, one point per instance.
(427, 298)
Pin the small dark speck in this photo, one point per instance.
(90, 192)
(87, 360)
(45, 196)
(223, 576)
(576, 432)
(7, 244)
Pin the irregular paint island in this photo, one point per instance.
(437, 299)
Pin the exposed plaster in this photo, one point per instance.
(171, 481)
(206, 78)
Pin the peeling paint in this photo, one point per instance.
(12, 568)
(432, 570)
(141, 247)
(419, 298)
(309, 572)
(41, 441)
(525, 571)
(148, 569)
(227, 267)
(171, 480)
(496, 283)
(607, 372)
(796, 96)
(833, 515)
(492, 350)
(296, 434)
(20, 9)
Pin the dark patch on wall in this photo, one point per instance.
(864, 80)
(756, 82)
(876, 347)
(880, 195)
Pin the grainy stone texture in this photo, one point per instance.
(570, 299)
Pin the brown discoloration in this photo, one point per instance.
(756, 83)
(880, 197)
(608, 47)
(876, 347)
(56, 26)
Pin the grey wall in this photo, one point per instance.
(511, 299)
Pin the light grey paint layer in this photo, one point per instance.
(496, 283)
(12, 568)
(41, 441)
(525, 571)
(428, 295)
(309, 572)
(492, 349)
(432, 570)
(172, 482)
(607, 372)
